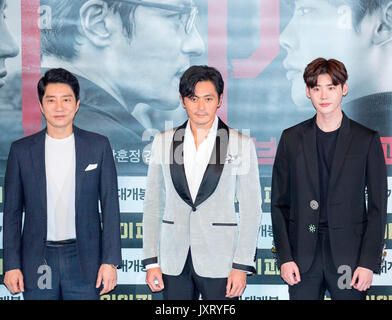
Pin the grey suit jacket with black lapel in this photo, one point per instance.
(209, 226)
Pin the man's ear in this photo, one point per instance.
(220, 100)
(182, 101)
(92, 22)
(383, 31)
(41, 108)
(345, 89)
(77, 106)
(307, 92)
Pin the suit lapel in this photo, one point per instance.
(177, 169)
(310, 152)
(38, 158)
(79, 147)
(342, 145)
(216, 164)
(213, 171)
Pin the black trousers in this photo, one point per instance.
(323, 276)
(189, 286)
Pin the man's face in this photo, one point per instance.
(326, 97)
(8, 46)
(319, 29)
(151, 63)
(202, 107)
(59, 106)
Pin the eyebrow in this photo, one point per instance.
(63, 96)
(207, 95)
(325, 85)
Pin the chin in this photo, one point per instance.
(164, 104)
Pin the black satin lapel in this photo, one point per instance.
(177, 169)
(310, 152)
(342, 145)
(38, 158)
(216, 164)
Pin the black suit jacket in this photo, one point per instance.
(356, 232)
(25, 190)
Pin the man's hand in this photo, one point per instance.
(108, 274)
(13, 279)
(154, 279)
(290, 273)
(236, 283)
(362, 279)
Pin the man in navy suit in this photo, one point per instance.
(57, 178)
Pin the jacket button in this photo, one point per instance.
(314, 204)
(193, 209)
(312, 228)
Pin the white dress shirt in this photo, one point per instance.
(196, 160)
(60, 188)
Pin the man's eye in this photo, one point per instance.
(176, 15)
(304, 10)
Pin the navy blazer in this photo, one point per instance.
(98, 241)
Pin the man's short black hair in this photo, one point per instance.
(58, 75)
(197, 74)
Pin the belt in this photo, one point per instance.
(60, 243)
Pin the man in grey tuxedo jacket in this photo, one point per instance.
(193, 241)
(57, 178)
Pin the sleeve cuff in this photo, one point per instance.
(152, 265)
(245, 268)
(148, 261)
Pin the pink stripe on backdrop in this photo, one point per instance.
(217, 45)
(269, 43)
(31, 65)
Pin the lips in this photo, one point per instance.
(181, 71)
(324, 105)
(3, 73)
(291, 74)
(201, 115)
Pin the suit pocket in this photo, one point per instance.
(167, 221)
(216, 224)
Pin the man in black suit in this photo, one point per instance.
(323, 227)
(57, 178)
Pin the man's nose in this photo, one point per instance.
(193, 43)
(324, 94)
(8, 46)
(288, 37)
(201, 105)
(59, 106)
